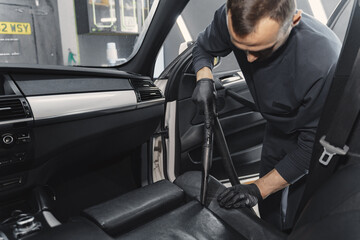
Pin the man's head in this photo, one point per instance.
(259, 27)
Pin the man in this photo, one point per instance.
(288, 59)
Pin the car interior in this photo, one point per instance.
(76, 157)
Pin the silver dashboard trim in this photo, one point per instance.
(151, 103)
(54, 106)
(10, 122)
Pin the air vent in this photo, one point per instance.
(146, 90)
(142, 84)
(11, 109)
(146, 95)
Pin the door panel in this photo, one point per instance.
(243, 128)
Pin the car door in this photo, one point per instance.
(243, 127)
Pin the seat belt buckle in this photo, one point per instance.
(330, 151)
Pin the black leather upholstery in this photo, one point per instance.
(75, 229)
(334, 211)
(244, 220)
(191, 221)
(137, 207)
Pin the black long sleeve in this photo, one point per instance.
(212, 42)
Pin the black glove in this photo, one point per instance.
(240, 196)
(204, 95)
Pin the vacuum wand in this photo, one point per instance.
(207, 151)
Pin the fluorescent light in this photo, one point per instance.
(318, 10)
(108, 19)
(183, 29)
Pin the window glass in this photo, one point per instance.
(72, 32)
(320, 9)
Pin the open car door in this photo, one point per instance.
(243, 126)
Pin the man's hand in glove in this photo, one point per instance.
(240, 196)
(204, 94)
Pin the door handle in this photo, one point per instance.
(232, 78)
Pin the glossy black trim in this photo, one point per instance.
(30, 85)
(45, 70)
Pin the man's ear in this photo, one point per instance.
(296, 18)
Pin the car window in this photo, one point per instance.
(72, 32)
(320, 9)
(190, 23)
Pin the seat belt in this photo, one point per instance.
(334, 141)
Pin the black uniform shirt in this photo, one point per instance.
(289, 88)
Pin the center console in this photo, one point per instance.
(24, 226)
(20, 225)
(37, 217)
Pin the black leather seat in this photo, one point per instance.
(333, 213)
(172, 211)
(135, 208)
(75, 229)
(190, 220)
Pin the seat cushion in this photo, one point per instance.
(243, 220)
(333, 212)
(75, 229)
(136, 207)
(191, 221)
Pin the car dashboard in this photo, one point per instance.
(56, 120)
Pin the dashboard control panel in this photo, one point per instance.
(15, 146)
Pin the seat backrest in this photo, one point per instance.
(334, 210)
(331, 202)
(318, 174)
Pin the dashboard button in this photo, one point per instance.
(24, 138)
(8, 139)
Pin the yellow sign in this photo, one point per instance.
(15, 28)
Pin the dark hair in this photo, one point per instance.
(245, 14)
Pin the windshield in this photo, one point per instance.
(72, 32)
